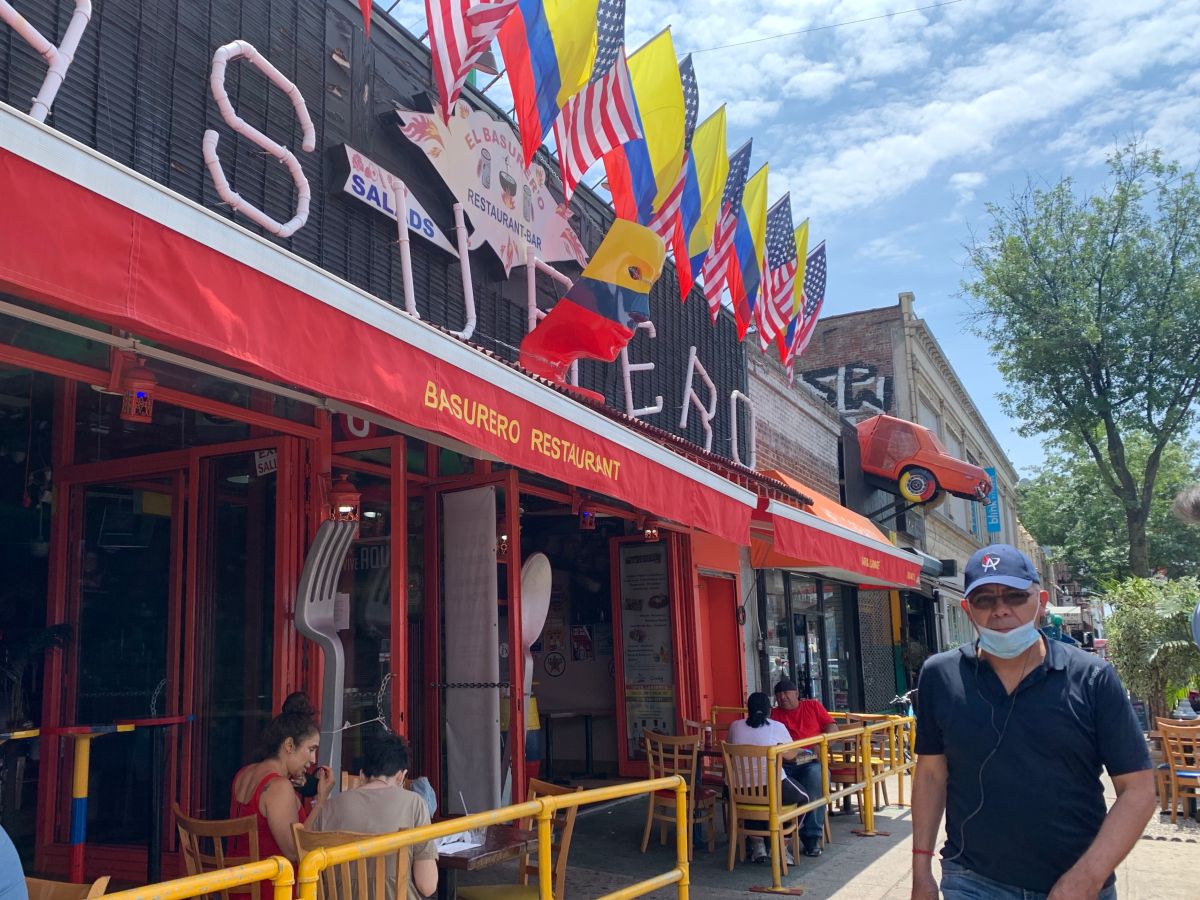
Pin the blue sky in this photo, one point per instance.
(893, 134)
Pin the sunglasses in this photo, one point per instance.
(987, 602)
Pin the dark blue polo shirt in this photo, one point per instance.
(1043, 802)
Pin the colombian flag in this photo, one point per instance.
(708, 167)
(642, 173)
(784, 337)
(749, 244)
(549, 47)
(598, 314)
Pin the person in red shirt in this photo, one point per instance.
(804, 719)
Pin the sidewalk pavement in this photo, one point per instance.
(605, 856)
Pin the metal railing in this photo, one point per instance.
(897, 759)
(282, 876)
(276, 869)
(541, 809)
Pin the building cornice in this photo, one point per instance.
(929, 343)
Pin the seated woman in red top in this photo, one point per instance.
(264, 789)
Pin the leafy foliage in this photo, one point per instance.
(1091, 305)
(1067, 507)
(1149, 637)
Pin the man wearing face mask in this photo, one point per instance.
(1012, 731)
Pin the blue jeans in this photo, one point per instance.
(807, 777)
(960, 883)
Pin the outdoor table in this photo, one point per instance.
(587, 715)
(158, 760)
(503, 842)
(83, 735)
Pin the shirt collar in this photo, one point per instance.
(1056, 653)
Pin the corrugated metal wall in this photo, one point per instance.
(138, 92)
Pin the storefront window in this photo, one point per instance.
(100, 433)
(451, 463)
(367, 579)
(777, 633)
(838, 668)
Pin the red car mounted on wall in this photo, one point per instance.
(912, 458)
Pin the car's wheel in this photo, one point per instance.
(918, 485)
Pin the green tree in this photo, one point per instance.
(1149, 637)
(1091, 304)
(1066, 506)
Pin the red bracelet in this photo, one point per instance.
(917, 852)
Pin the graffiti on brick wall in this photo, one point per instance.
(856, 389)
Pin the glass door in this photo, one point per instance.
(125, 588)
(236, 539)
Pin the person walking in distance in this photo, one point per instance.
(1012, 731)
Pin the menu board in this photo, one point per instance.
(646, 644)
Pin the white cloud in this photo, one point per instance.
(894, 248)
(965, 184)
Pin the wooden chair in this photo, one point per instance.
(669, 755)
(351, 780)
(357, 879)
(1181, 747)
(40, 889)
(196, 836)
(564, 824)
(1162, 771)
(845, 768)
(712, 769)
(749, 781)
(881, 742)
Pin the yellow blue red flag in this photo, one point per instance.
(642, 172)
(749, 241)
(549, 47)
(598, 314)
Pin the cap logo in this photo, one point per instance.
(990, 563)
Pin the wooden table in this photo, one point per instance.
(503, 842)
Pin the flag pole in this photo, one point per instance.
(488, 86)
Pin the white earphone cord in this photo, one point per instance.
(962, 829)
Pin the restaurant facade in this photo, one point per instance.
(202, 364)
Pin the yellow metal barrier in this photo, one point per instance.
(543, 809)
(276, 869)
(898, 758)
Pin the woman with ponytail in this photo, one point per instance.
(760, 730)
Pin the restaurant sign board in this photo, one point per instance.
(510, 207)
(377, 188)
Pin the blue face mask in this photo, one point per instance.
(1008, 644)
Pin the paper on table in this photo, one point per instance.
(456, 843)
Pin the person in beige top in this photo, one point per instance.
(381, 805)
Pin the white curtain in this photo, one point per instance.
(472, 649)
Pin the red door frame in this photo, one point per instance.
(682, 639)
(509, 481)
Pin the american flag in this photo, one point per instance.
(602, 116)
(774, 308)
(459, 32)
(691, 99)
(716, 264)
(814, 295)
(664, 221)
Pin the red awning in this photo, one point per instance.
(86, 235)
(829, 539)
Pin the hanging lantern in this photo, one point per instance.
(344, 501)
(137, 394)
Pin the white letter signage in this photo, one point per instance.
(58, 59)
(245, 50)
(691, 398)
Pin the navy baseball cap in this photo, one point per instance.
(999, 564)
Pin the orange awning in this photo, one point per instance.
(829, 539)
